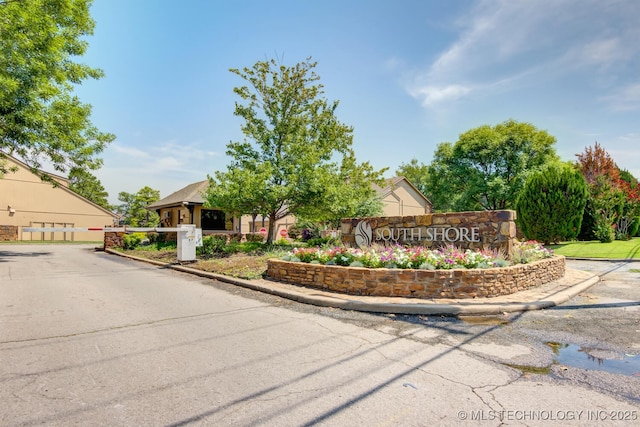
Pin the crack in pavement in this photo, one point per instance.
(130, 325)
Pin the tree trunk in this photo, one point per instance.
(272, 227)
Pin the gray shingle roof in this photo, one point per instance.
(192, 193)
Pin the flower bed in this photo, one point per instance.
(443, 273)
(418, 257)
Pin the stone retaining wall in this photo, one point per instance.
(426, 284)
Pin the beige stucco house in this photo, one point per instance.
(400, 198)
(27, 201)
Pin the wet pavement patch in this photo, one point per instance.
(540, 370)
(596, 359)
(484, 320)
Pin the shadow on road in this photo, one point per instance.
(5, 256)
(603, 305)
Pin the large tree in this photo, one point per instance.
(89, 187)
(487, 167)
(296, 157)
(134, 204)
(614, 202)
(40, 117)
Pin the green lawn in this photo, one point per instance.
(619, 249)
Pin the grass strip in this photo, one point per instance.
(618, 249)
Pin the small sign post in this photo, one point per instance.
(187, 241)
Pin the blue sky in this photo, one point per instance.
(409, 74)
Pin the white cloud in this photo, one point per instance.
(605, 52)
(625, 98)
(510, 43)
(165, 164)
(432, 95)
(129, 151)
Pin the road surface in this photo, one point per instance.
(88, 338)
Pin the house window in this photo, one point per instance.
(212, 219)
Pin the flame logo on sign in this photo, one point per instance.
(363, 234)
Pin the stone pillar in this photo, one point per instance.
(113, 239)
(8, 233)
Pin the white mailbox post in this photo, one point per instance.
(187, 240)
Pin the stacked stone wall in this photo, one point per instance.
(8, 233)
(495, 229)
(428, 284)
(113, 239)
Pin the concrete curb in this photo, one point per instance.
(561, 292)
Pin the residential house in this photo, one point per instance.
(399, 196)
(186, 206)
(28, 201)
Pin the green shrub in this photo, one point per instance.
(294, 232)
(634, 228)
(131, 241)
(213, 245)
(604, 232)
(282, 242)
(252, 247)
(232, 247)
(162, 245)
(254, 237)
(551, 205)
(588, 222)
(304, 230)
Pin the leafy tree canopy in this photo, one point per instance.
(487, 167)
(627, 176)
(596, 162)
(296, 157)
(40, 117)
(133, 207)
(89, 187)
(347, 194)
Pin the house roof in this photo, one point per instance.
(392, 183)
(192, 194)
(62, 183)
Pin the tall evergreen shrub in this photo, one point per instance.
(551, 205)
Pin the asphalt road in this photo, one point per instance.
(88, 338)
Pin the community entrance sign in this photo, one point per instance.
(364, 235)
(471, 230)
